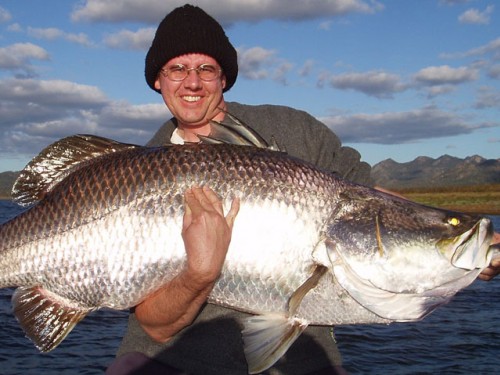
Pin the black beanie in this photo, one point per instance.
(189, 29)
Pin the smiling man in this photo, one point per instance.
(192, 63)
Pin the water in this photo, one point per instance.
(462, 337)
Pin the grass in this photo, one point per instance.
(483, 199)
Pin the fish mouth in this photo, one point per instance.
(472, 248)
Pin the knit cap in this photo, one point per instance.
(188, 29)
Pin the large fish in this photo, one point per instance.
(308, 247)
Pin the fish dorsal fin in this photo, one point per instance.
(45, 318)
(237, 132)
(58, 160)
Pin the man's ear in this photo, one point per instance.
(157, 84)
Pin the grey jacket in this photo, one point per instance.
(213, 344)
(298, 132)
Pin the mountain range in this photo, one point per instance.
(423, 172)
(426, 172)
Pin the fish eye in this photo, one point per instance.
(454, 221)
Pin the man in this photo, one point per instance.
(191, 63)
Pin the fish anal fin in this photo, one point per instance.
(45, 318)
(267, 337)
(58, 160)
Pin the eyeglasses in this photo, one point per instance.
(179, 72)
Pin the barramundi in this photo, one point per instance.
(102, 229)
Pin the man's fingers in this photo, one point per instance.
(212, 197)
(233, 211)
(205, 199)
(195, 200)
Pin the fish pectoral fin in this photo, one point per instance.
(45, 318)
(300, 293)
(267, 337)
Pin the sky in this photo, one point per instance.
(393, 79)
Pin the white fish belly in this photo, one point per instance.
(269, 257)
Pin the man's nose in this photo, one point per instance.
(192, 80)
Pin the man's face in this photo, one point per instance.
(192, 101)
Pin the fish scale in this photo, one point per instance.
(91, 197)
(106, 232)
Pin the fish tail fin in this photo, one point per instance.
(45, 318)
(267, 337)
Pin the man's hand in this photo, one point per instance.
(206, 233)
(494, 267)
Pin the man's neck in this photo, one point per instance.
(189, 132)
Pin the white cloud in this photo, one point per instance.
(125, 39)
(490, 48)
(436, 90)
(36, 113)
(280, 72)
(19, 56)
(255, 62)
(121, 114)
(306, 69)
(488, 97)
(259, 63)
(445, 75)
(326, 25)
(375, 83)
(5, 15)
(225, 11)
(52, 33)
(401, 127)
(494, 71)
(15, 27)
(476, 17)
(53, 92)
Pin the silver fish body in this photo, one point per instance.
(308, 247)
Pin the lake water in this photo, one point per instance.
(462, 337)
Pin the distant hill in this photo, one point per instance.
(7, 179)
(425, 172)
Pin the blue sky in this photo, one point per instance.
(394, 79)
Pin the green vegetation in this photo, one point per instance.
(483, 199)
